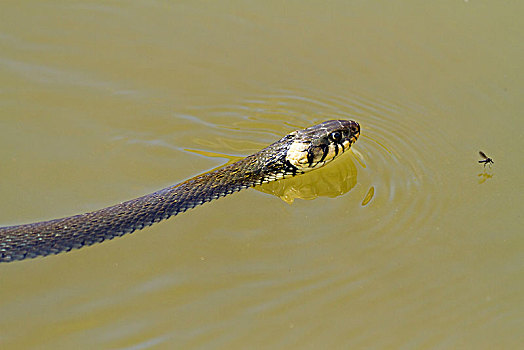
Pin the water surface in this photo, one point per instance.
(405, 242)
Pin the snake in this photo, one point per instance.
(296, 153)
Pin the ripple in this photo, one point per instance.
(395, 152)
(397, 178)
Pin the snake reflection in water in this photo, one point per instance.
(296, 153)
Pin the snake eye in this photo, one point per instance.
(336, 136)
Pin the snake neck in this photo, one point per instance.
(267, 165)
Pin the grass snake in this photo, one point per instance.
(296, 153)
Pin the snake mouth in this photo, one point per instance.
(354, 138)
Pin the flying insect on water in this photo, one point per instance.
(485, 159)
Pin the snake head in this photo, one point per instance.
(318, 145)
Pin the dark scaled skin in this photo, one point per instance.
(60, 235)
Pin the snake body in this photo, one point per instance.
(296, 153)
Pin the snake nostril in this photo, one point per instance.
(355, 128)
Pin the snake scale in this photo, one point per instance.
(296, 153)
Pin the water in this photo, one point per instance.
(405, 242)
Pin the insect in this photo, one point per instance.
(486, 159)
